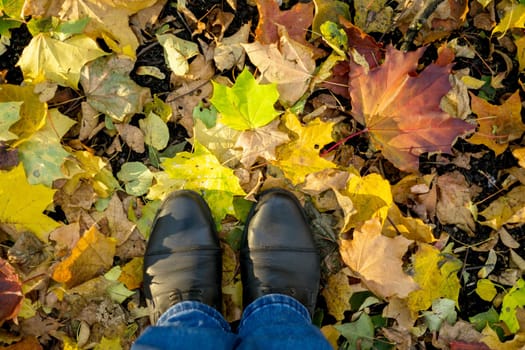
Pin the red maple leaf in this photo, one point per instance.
(10, 292)
(400, 108)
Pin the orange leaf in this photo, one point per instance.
(498, 125)
(91, 256)
(400, 108)
(297, 20)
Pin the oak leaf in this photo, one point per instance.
(297, 20)
(92, 254)
(300, 157)
(11, 295)
(401, 109)
(23, 204)
(498, 125)
(287, 63)
(378, 260)
(436, 275)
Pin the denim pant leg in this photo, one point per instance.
(277, 321)
(188, 325)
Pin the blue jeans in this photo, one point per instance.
(274, 321)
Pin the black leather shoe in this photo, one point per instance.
(278, 253)
(183, 258)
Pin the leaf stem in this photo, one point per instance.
(340, 142)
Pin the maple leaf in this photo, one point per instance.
(287, 63)
(42, 154)
(247, 104)
(32, 114)
(58, 61)
(411, 228)
(514, 18)
(297, 20)
(509, 208)
(401, 110)
(11, 295)
(92, 254)
(378, 260)
(300, 157)
(10, 112)
(436, 275)
(110, 90)
(199, 171)
(337, 294)
(260, 142)
(23, 204)
(219, 140)
(498, 125)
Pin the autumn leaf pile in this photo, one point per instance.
(397, 125)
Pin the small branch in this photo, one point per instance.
(417, 23)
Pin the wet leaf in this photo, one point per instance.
(23, 204)
(247, 104)
(401, 109)
(377, 259)
(92, 255)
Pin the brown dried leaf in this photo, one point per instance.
(11, 295)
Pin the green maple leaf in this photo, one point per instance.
(199, 171)
(42, 154)
(247, 104)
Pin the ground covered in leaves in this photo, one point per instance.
(397, 124)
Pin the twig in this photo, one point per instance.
(417, 23)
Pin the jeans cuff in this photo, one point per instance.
(277, 301)
(199, 311)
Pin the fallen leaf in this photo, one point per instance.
(519, 154)
(11, 295)
(514, 17)
(485, 289)
(133, 136)
(373, 16)
(401, 110)
(132, 273)
(23, 204)
(454, 205)
(66, 237)
(199, 171)
(509, 208)
(359, 333)
(498, 124)
(137, 178)
(247, 104)
(328, 10)
(491, 338)
(337, 294)
(515, 298)
(92, 254)
(32, 111)
(300, 157)
(229, 53)
(297, 20)
(110, 90)
(46, 58)
(28, 343)
(177, 52)
(156, 132)
(10, 112)
(42, 154)
(411, 228)
(120, 227)
(260, 142)
(287, 63)
(219, 140)
(378, 260)
(436, 275)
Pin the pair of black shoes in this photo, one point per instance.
(183, 259)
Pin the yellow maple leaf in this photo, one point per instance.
(131, 274)
(436, 276)
(514, 18)
(371, 197)
(411, 228)
(22, 204)
(378, 260)
(300, 157)
(92, 254)
(509, 208)
(498, 125)
(337, 294)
